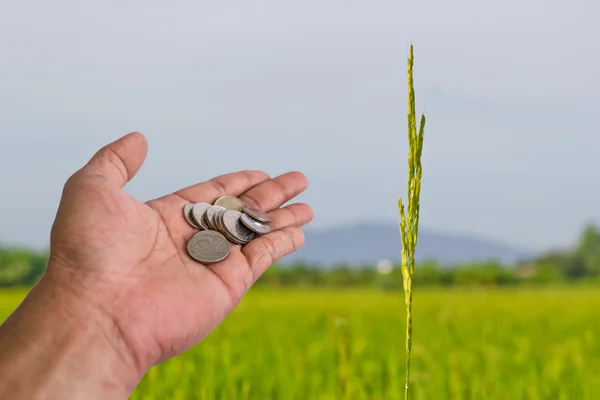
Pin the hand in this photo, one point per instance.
(125, 262)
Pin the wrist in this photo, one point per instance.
(56, 345)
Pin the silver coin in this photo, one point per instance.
(187, 210)
(210, 216)
(219, 221)
(204, 222)
(254, 225)
(232, 239)
(198, 211)
(230, 203)
(208, 247)
(221, 227)
(256, 213)
(235, 228)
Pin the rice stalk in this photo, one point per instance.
(409, 220)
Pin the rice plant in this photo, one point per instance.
(303, 344)
(409, 220)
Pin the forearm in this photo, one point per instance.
(50, 349)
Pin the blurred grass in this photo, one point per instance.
(471, 344)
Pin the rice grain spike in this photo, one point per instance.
(409, 217)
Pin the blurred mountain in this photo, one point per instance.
(369, 243)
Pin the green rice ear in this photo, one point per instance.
(409, 218)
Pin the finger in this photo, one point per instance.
(244, 267)
(119, 161)
(266, 250)
(235, 273)
(275, 192)
(229, 184)
(298, 215)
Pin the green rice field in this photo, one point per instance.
(349, 344)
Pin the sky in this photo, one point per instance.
(510, 90)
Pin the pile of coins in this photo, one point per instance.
(228, 220)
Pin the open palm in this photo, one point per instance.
(128, 259)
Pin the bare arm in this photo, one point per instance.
(121, 293)
(54, 348)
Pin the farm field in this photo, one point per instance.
(514, 343)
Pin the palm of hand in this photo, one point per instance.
(129, 260)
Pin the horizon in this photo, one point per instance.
(380, 223)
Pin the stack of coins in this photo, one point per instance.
(228, 220)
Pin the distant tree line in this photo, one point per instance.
(577, 264)
(21, 267)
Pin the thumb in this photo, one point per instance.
(119, 161)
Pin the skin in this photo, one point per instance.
(120, 293)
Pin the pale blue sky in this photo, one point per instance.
(511, 89)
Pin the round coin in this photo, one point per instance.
(256, 213)
(221, 228)
(219, 221)
(230, 203)
(204, 221)
(235, 228)
(208, 247)
(187, 211)
(198, 211)
(232, 239)
(256, 226)
(210, 216)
